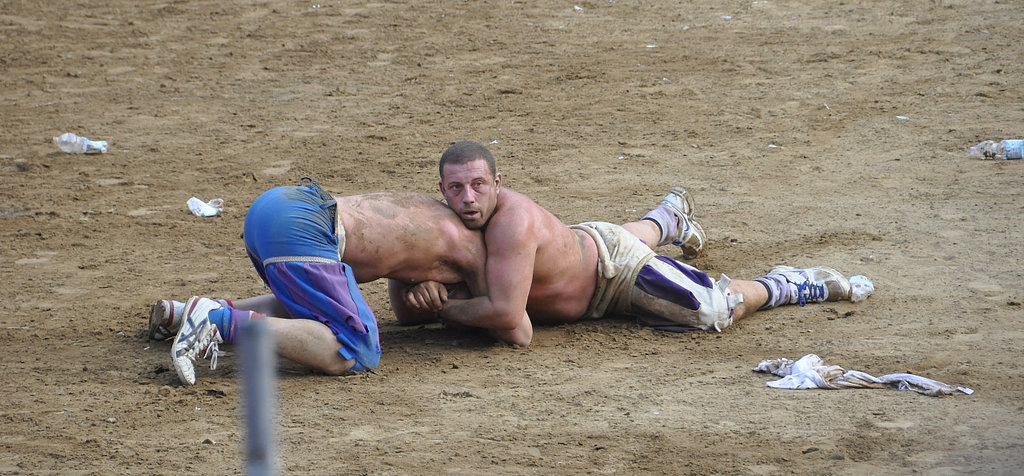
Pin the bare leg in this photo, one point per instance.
(308, 343)
(754, 296)
(264, 304)
(645, 230)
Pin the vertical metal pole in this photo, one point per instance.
(259, 383)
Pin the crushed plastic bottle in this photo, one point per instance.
(1004, 150)
(73, 144)
(200, 208)
(862, 287)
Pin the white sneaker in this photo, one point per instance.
(691, 237)
(815, 284)
(197, 334)
(165, 319)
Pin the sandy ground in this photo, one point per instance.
(810, 132)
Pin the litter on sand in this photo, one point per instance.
(811, 372)
(205, 209)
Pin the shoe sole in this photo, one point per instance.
(159, 317)
(698, 231)
(687, 200)
(187, 334)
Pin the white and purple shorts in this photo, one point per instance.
(658, 291)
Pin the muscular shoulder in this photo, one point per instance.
(514, 206)
(523, 211)
(517, 220)
(512, 196)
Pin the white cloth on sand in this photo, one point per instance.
(811, 372)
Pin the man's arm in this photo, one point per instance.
(412, 310)
(521, 335)
(500, 300)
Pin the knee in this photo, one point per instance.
(337, 365)
(716, 319)
(716, 312)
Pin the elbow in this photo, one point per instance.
(522, 341)
(507, 322)
(516, 330)
(520, 336)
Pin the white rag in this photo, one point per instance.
(205, 209)
(811, 372)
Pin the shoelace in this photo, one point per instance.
(212, 352)
(806, 290)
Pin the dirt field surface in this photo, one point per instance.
(809, 132)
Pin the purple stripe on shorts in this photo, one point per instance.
(343, 305)
(652, 282)
(327, 293)
(695, 275)
(321, 295)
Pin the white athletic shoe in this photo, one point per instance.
(815, 284)
(691, 237)
(165, 319)
(197, 335)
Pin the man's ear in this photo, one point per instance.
(497, 180)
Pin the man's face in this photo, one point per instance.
(471, 191)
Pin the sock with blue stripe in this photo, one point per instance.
(230, 320)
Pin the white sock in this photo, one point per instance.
(667, 222)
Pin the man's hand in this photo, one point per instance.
(427, 296)
(406, 314)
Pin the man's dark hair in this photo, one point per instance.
(463, 152)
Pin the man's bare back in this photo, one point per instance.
(408, 237)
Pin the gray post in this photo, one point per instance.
(259, 382)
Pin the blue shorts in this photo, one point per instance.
(291, 238)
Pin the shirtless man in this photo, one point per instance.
(557, 274)
(316, 312)
(312, 263)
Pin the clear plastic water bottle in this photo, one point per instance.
(862, 287)
(1004, 149)
(73, 144)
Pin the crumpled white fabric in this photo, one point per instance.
(811, 372)
(200, 208)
